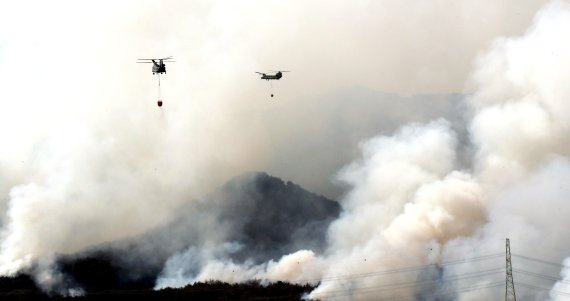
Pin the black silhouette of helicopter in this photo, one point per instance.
(277, 76)
(157, 67)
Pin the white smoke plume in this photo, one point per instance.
(411, 203)
(87, 158)
(291, 267)
(518, 184)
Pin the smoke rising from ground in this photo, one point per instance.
(517, 187)
(410, 203)
(88, 159)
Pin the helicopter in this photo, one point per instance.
(157, 67)
(278, 75)
(275, 76)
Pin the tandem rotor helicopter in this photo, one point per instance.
(158, 68)
(277, 76)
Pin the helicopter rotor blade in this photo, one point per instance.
(144, 62)
(157, 59)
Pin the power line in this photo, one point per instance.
(538, 275)
(388, 287)
(534, 287)
(401, 285)
(463, 290)
(448, 292)
(540, 260)
(345, 293)
(401, 270)
(445, 293)
(394, 287)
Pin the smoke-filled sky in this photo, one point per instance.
(439, 125)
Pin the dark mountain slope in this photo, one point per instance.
(266, 216)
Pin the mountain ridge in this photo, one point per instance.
(267, 216)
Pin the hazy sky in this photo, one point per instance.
(70, 67)
(85, 150)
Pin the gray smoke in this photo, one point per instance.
(251, 219)
(88, 159)
(408, 193)
(516, 187)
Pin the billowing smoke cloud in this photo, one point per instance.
(87, 158)
(411, 203)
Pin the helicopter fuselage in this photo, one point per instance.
(277, 76)
(159, 67)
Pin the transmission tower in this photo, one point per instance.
(510, 285)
